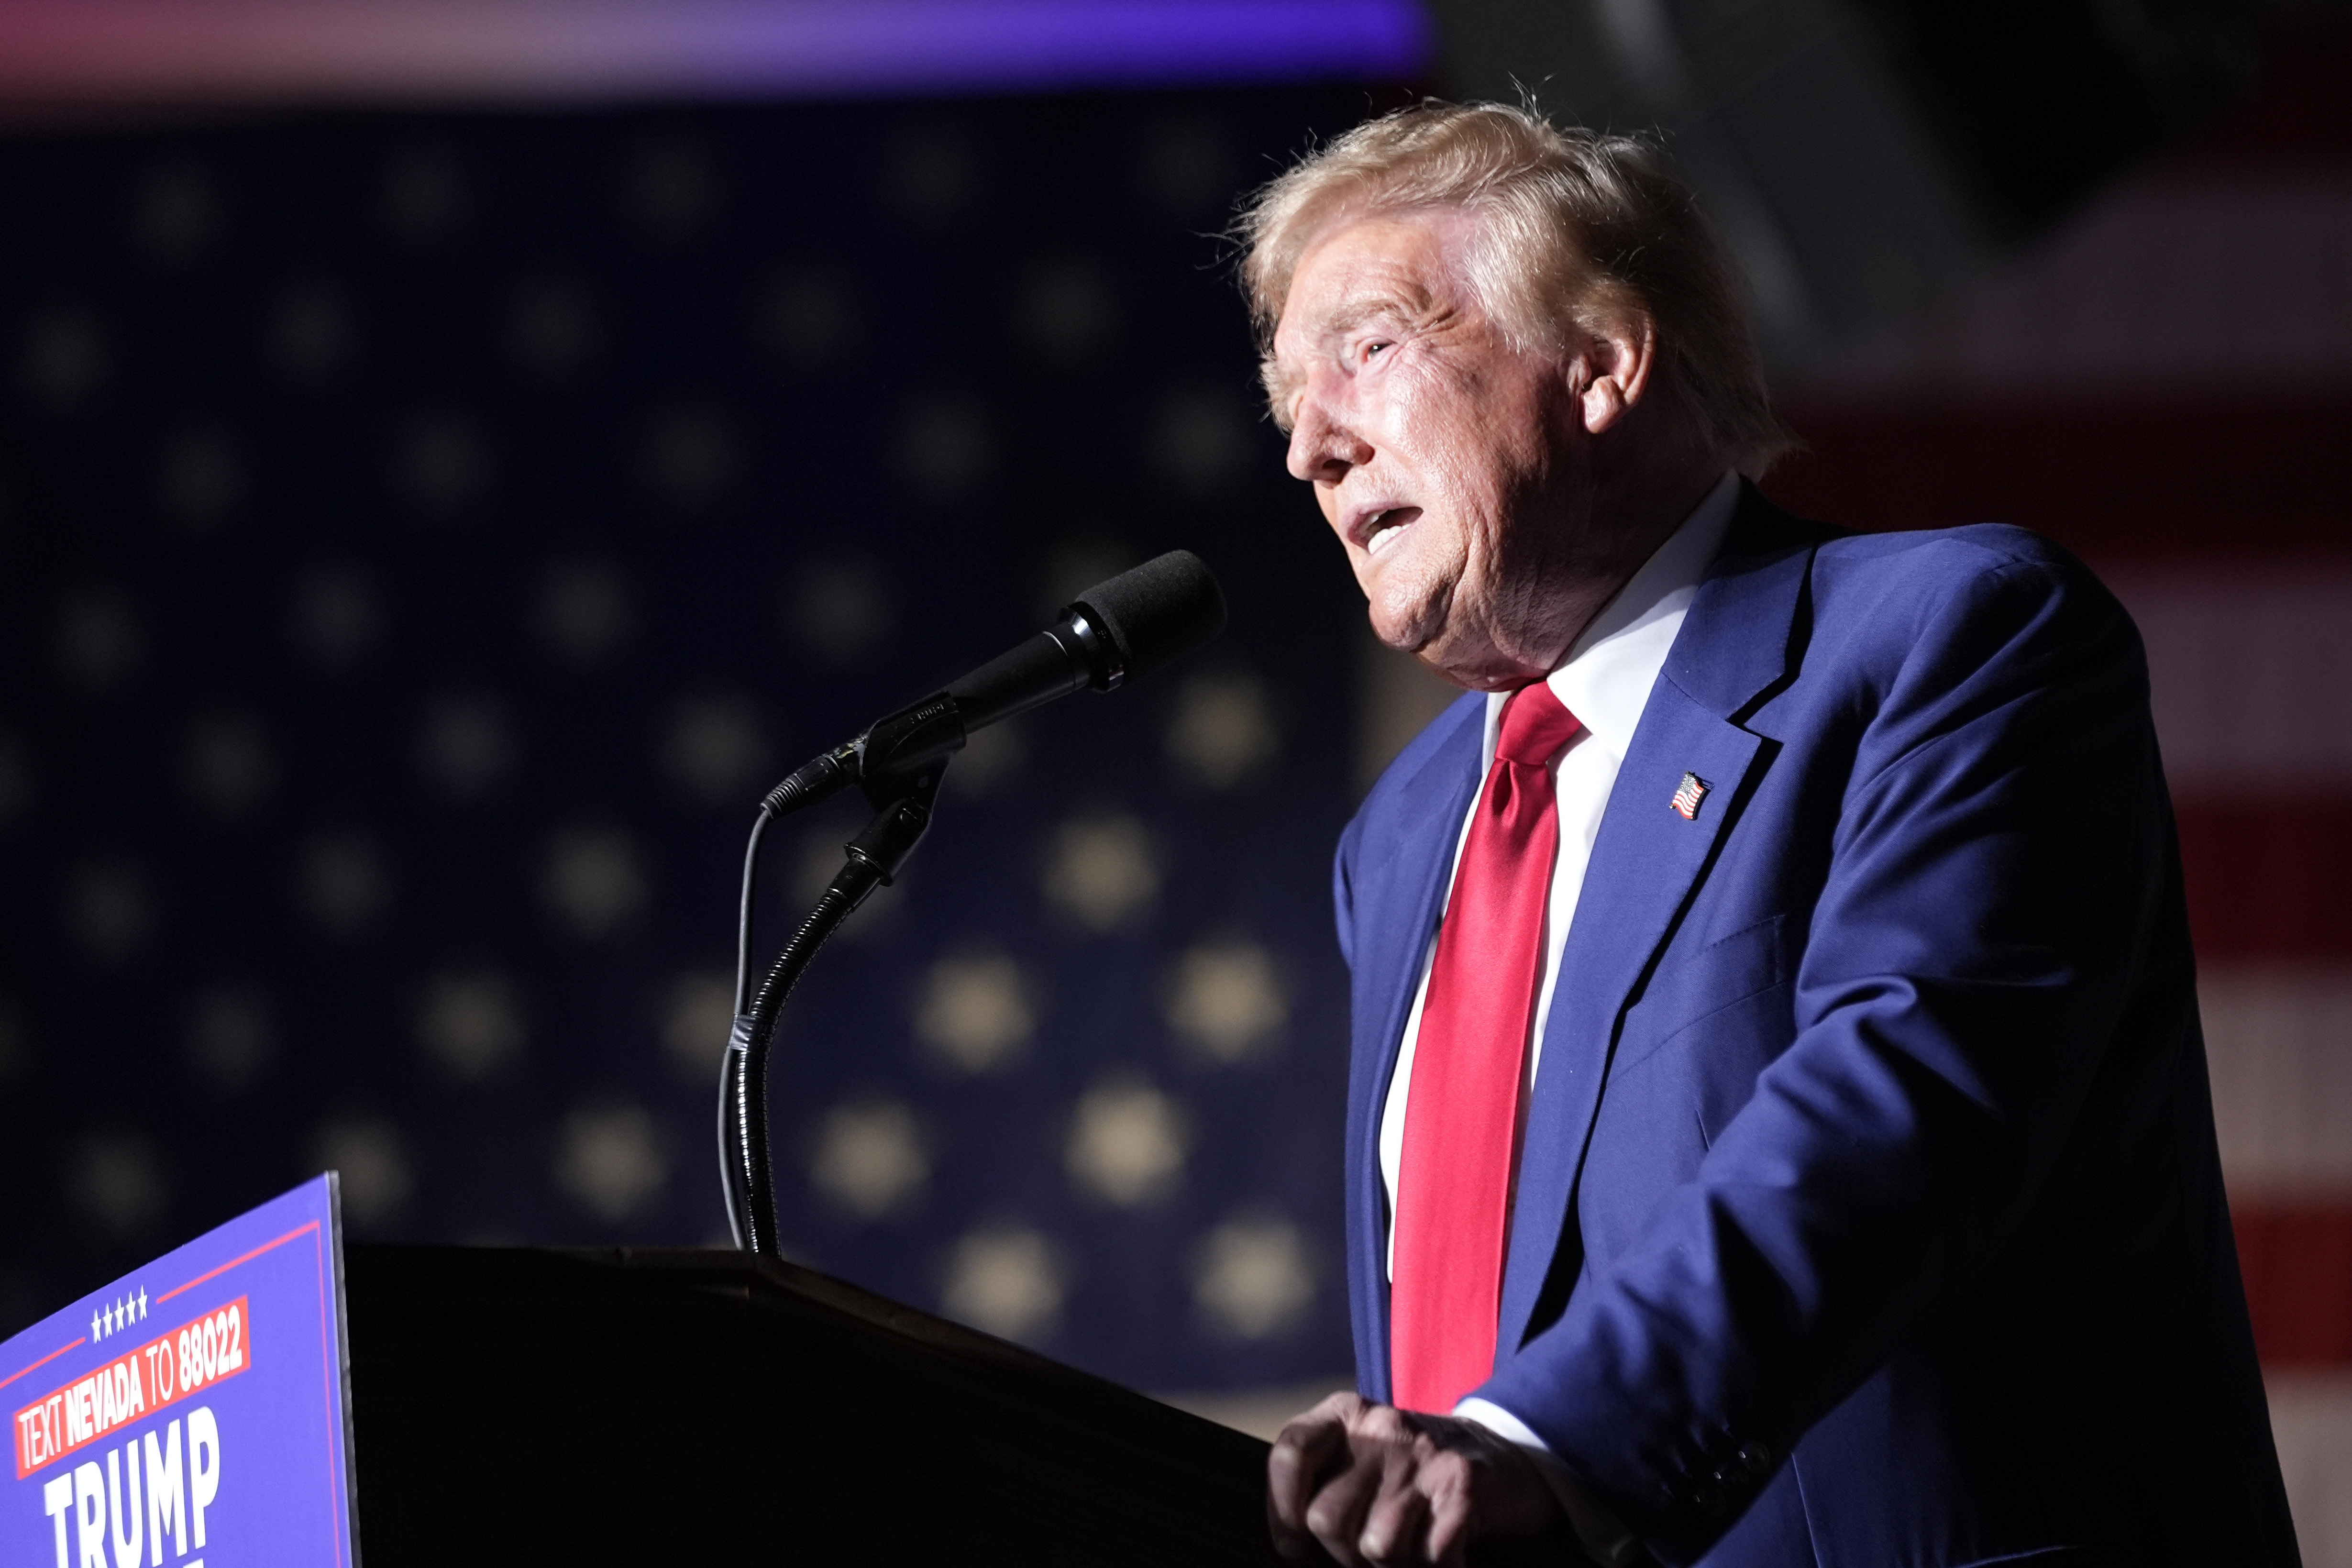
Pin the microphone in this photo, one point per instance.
(1117, 631)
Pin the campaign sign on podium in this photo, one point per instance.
(195, 1406)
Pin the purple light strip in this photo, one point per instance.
(269, 50)
(935, 45)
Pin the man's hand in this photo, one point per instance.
(1396, 1490)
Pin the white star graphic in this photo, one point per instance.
(142, 1304)
(94, 1334)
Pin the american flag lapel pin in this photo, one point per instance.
(1687, 798)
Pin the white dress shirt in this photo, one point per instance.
(1605, 681)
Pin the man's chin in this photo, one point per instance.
(1440, 659)
(1427, 632)
(1402, 638)
(1478, 667)
(1424, 636)
(1409, 627)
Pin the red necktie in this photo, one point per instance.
(1462, 1109)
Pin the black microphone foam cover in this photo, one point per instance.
(1158, 612)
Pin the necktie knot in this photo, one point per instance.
(1536, 725)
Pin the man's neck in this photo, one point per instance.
(1631, 516)
(1639, 511)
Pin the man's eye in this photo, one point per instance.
(1375, 348)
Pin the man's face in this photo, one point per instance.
(1451, 465)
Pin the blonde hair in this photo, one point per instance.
(1575, 228)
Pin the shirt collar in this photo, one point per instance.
(1606, 677)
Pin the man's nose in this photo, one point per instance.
(1322, 445)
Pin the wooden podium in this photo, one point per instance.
(523, 1405)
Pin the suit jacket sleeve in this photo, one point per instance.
(1991, 884)
(1343, 894)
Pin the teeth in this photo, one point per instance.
(1381, 533)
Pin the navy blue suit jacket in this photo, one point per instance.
(1869, 1212)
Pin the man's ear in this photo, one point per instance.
(1618, 355)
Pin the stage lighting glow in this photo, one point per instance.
(296, 50)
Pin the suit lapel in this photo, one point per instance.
(1401, 876)
(1404, 880)
(1648, 862)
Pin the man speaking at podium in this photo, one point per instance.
(1778, 1124)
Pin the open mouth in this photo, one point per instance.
(1383, 529)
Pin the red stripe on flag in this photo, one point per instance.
(2266, 879)
(2297, 1261)
(2113, 479)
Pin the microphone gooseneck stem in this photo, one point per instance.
(746, 1159)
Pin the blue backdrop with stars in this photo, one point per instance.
(422, 538)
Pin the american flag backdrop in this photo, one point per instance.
(426, 537)
(421, 536)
